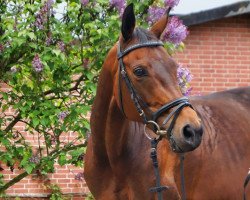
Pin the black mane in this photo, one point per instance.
(143, 35)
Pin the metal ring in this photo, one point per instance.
(145, 132)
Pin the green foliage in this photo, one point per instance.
(51, 68)
(89, 197)
(56, 193)
(50, 63)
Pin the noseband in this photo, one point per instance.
(177, 105)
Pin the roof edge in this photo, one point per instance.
(231, 10)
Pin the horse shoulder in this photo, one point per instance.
(222, 160)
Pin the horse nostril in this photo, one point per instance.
(191, 137)
(200, 131)
(188, 132)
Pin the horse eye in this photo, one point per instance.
(139, 72)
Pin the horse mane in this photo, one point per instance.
(143, 35)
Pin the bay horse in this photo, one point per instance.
(117, 161)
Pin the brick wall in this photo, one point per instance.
(218, 55)
(35, 185)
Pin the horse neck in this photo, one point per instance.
(106, 116)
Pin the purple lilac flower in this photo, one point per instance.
(84, 2)
(48, 40)
(49, 4)
(39, 22)
(37, 64)
(62, 115)
(61, 46)
(34, 159)
(41, 17)
(184, 78)
(79, 176)
(119, 5)
(176, 31)
(188, 91)
(155, 13)
(171, 3)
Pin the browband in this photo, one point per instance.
(120, 53)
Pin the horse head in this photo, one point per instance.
(149, 90)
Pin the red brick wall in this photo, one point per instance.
(34, 185)
(218, 55)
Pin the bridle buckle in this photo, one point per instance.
(161, 132)
(142, 113)
(123, 72)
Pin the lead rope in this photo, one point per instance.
(153, 154)
(245, 185)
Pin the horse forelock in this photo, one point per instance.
(143, 35)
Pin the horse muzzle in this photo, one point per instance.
(188, 140)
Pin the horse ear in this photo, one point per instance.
(128, 22)
(160, 25)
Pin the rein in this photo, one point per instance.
(177, 105)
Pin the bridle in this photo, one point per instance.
(176, 105)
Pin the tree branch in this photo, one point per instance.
(81, 78)
(54, 154)
(13, 123)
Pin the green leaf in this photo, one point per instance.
(62, 159)
(29, 168)
(31, 35)
(35, 121)
(5, 141)
(56, 52)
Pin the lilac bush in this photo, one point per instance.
(79, 176)
(37, 64)
(176, 31)
(62, 115)
(41, 17)
(61, 46)
(84, 2)
(34, 159)
(184, 78)
(155, 13)
(119, 5)
(171, 3)
(68, 48)
(49, 39)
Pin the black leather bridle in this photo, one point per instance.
(176, 105)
